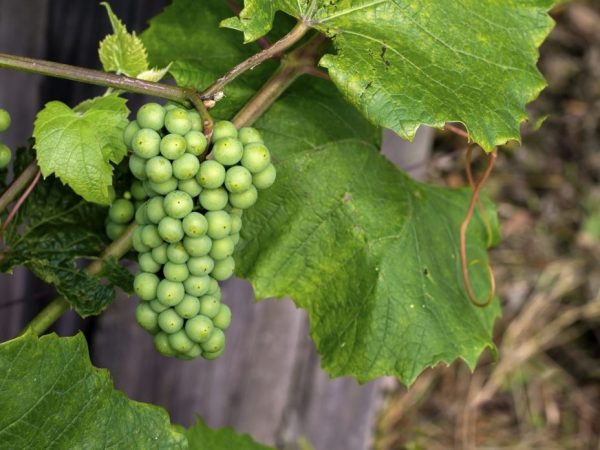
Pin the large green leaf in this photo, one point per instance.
(52, 397)
(408, 63)
(202, 437)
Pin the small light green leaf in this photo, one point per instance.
(79, 145)
(52, 397)
(154, 74)
(122, 52)
(202, 437)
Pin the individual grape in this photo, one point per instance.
(161, 343)
(215, 342)
(265, 178)
(180, 342)
(146, 317)
(159, 254)
(195, 285)
(5, 156)
(141, 216)
(223, 269)
(137, 190)
(145, 285)
(186, 167)
(155, 210)
(224, 129)
(170, 229)
(121, 211)
(147, 263)
(137, 166)
(146, 143)
(196, 121)
(175, 272)
(256, 157)
(178, 204)
(195, 224)
(236, 223)
(194, 352)
(146, 183)
(200, 265)
(211, 174)
(212, 355)
(249, 135)
(169, 106)
(244, 200)
(223, 318)
(214, 199)
(151, 115)
(222, 248)
(177, 253)
(228, 151)
(209, 306)
(150, 236)
(191, 187)
(157, 306)
(138, 245)
(219, 224)
(199, 328)
(129, 132)
(238, 179)
(164, 188)
(4, 120)
(213, 288)
(199, 246)
(188, 307)
(159, 169)
(172, 146)
(169, 321)
(235, 238)
(196, 142)
(115, 230)
(177, 121)
(170, 292)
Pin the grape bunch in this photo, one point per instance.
(189, 217)
(5, 153)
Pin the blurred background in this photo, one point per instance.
(543, 389)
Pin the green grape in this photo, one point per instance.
(145, 285)
(200, 265)
(170, 230)
(178, 204)
(214, 199)
(188, 307)
(186, 167)
(164, 188)
(172, 146)
(147, 263)
(235, 238)
(236, 223)
(238, 179)
(146, 183)
(211, 174)
(157, 306)
(191, 187)
(223, 318)
(213, 288)
(199, 246)
(222, 248)
(170, 292)
(196, 120)
(150, 236)
(266, 178)
(115, 230)
(199, 328)
(146, 143)
(196, 142)
(121, 211)
(138, 245)
(137, 166)
(4, 120)
(195, 224)
(180, 342)
(146, 317)
(196, 285)
(249, 135)
(151, 115)
(215, 342)
(177, 253)
(137, 190)
(209, 306)
(126, 194)
(159, 169)
(223, 269)
(159, 254)
(169, 321)
(177, 121)
(129, 132)
(224, 129)
(194, 352)
(154, 210)
(236, 212)
(175, 272)
(228, 151)
(212, 355)
(219, 224)
(169, 106)
(161, 343)
(244, 200)
(256, 157)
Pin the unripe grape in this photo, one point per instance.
(215, 342)
(137, 166)
(170, 292)
(213, 288)
(249, 135)
(244, 200)
(211, 174)
(180, 342)
(186, 167)
(170, 229)
(157, 306)
(177, 121)
(5, 156)
(223, 318)
(218, 224)
(214, 199)
(151, 115)
(164, 188)
(172, 146)
(222, 248)
(191, 187)
(223, 269)
(146, 317)
(138, 245)
(236, 223)
(235, 238)
(145, 285)
(147, 263)
(159, 169)
(169, 321)
(169, 106)
(195, 224)
(129, 132)
(161, 343)
(200, 265)
(115, 230)
(159, 254)
(194, 352)
(121, 211)
(188, 307)
(224, 129)
(212, 355)
(228, 151)
(146, 183)
(199, 328)
(209, 306)
(199, 246)
(146, 143)
(238, 179)
(150, 236)
(175, 272)
(137, 190)
(177, 253)
(196, 285)
(155, 210)
(266, 178)
(178, 204)
(256, 157)
(196, 120)
(4, 120)
(196, 142)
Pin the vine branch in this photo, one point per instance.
(19, 183)
(13, 212)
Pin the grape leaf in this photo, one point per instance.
(202, 437)
(404, 64)
(78, 145)
(52, 397)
